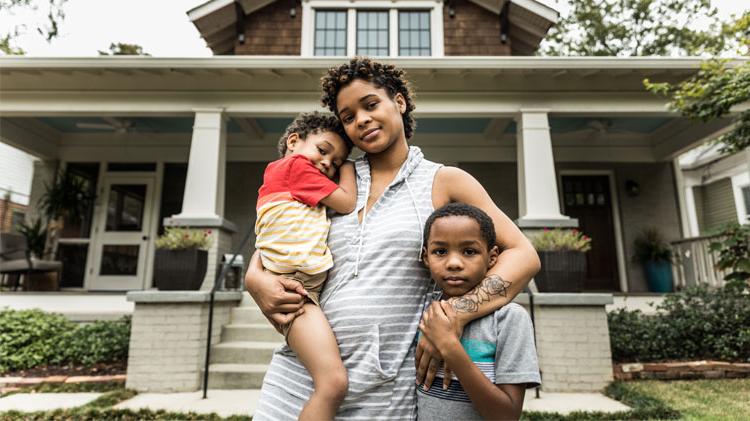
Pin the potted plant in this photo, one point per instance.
(67, 199)
(563, 257)
(181, 259)
(654, 253)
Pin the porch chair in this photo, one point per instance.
(16, 260)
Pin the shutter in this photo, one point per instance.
(718, 205)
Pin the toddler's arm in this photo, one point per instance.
(501, 401)
(343, 199)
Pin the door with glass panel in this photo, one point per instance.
(122, 234)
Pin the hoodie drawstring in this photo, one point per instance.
(419, 219)
(362, 230)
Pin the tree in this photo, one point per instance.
(123, 49)
(48, 27)
(715, 89)
(636, 28)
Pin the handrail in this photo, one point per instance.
(218, 283)
(695, 263)
(691, 239)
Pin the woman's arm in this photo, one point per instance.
(491, 401)
(279, 298)
(516, 265)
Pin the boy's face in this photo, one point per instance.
(371, 118)
(457, 255)
(326, 150)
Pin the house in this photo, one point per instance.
(557, 142)
(16, 168)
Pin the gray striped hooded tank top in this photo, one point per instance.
(374, 297)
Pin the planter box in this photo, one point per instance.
(562, 271)
(42, 281)
(180, 269)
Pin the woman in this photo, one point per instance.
(378, 286)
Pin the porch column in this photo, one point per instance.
(203, 201)
(538, 200)
(44, 175)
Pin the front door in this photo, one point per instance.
(588, 199)
(122, 229)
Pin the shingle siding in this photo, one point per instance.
(473, 31)
(271, 31)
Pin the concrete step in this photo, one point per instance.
(247, 301)
(236, 376)
(246, 315)
(243, 352)
(250, 332)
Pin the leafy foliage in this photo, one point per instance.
(68, 197)
(184, 238)
(650, 246)
(711, 93)
(48, 28)
(29, 338)
(36, 236)
(561, 240)
(734, 252)
(638, 28)
(124, 49)
(696, 323)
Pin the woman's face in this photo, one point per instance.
(371, 118)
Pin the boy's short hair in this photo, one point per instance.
(486, 226)
(306, 124)
(384, 76)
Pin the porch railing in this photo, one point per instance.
(695, 263)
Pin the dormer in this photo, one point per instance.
(380, 28)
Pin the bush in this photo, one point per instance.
(29, 338)
(561, 240)
(697, 323)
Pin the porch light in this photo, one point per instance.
(293, 10)
(632, 188)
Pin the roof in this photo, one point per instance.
(529, 21)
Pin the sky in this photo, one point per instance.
(161, 27)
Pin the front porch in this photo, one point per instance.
(556, 142)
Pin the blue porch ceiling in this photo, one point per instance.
(558, 124)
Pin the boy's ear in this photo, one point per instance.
(292, 141)
(494, 252)
(401, 102)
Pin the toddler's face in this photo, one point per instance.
(457, 255)
(326, 150)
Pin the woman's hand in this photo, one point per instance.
(441, 330)
(279, 298)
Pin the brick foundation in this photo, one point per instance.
(681, 370)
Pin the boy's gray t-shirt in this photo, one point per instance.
(502, 346)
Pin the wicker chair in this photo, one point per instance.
(16, 260)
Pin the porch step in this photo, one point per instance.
(243, 352)
(247, 315)
(236, 376)
(250, 332)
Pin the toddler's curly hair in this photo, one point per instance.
(306, 124)
(384, 76)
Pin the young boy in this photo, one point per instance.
(291, 232)
(495, 359)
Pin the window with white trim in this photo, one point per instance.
(372, 28)
(746, 198)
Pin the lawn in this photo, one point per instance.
(701, 399)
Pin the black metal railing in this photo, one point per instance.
(219, 283)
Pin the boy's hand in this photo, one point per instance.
(441, 331)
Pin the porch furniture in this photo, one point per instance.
(16, 259)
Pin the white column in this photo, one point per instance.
(538, 201)
(204, 186)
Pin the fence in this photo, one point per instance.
(695, 264)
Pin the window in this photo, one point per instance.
(330, 33)
(372, 33)
(372, 28)
(746, 198)
(414, 33)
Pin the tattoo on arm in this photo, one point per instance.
(489, 287)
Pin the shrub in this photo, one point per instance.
(734, 252)
(650, 246)
(696, 323)
(29, 338)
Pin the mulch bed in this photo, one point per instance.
(100, 369)
(680, 370)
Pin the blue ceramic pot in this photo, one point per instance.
(658, 276)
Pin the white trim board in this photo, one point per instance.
(619, 247)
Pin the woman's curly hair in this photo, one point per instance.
(384, 76)
(306, 124)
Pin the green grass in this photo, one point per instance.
(726, 399)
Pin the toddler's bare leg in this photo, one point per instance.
(312, 339)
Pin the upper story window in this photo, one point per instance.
(330, 33)
(382, 28)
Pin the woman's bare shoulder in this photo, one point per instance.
(448, 182)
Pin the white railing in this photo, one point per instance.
(695, 263)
